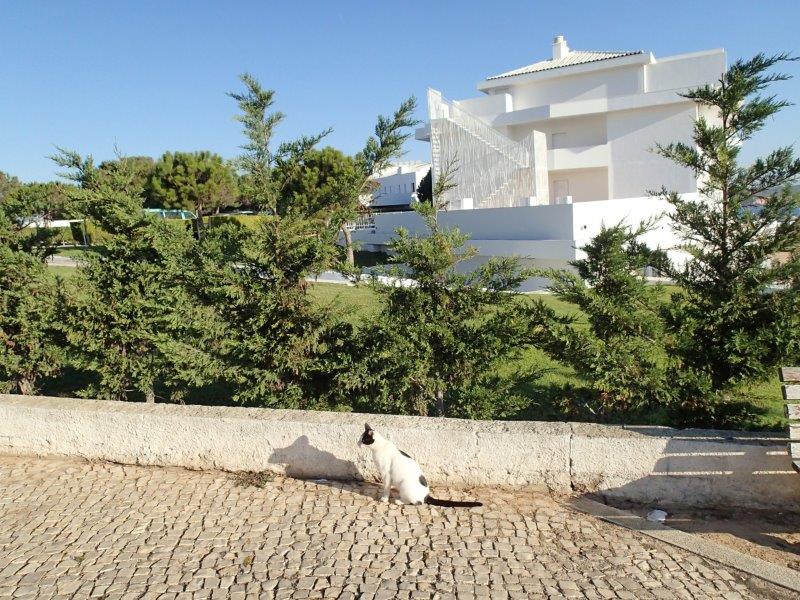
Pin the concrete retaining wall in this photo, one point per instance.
(650, 464)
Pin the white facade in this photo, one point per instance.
(396, 184)
(576, 129)
(601, 113)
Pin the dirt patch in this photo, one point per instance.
(770, 535)
(257, 479)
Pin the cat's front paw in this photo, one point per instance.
(398, 501)
(384, 498)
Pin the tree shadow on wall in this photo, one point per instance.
(711, 469)
(302, 460)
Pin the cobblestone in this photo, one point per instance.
(72, 529)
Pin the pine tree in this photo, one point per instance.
(8, 183)
(254, 279)
(135, 170)
(29, 340)
(343, 181)
(315, 185)
(259, 185)
(622, 353)
(425, 187)
(438, 340)
(126, 314)
(735, 317)
(273, 344)
(379, 150)
(198, 181)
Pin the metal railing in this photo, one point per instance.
(362, 223)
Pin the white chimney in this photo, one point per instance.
(560, 48)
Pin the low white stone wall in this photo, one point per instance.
(646, 464)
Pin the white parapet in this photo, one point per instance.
(643, 464)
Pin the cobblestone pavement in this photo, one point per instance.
(71, 529)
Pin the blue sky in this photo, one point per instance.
(152, 76)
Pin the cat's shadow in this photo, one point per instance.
(302, 460)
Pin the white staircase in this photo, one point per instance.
(490, 168)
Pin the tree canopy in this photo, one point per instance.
(8, 183)
(29, 342)
(317, 184)
(621, 351)
(425, 188)
(131, 173)
(253, 279)
(198, 181)
(127, 317)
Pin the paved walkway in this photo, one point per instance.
(72, 529)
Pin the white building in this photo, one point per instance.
(396, 184)
(554, 149)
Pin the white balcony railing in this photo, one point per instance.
(362, 223)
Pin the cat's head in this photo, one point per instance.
(368, 437)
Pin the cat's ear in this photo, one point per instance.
(367, 427)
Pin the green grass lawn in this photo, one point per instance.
(74, 252)
(63, 272)
(355, 303)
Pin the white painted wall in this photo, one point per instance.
(396, 188)
(590, 217)
(634, 169)
(586, 86)
(547, 222)
(580, 157)
(685, 71)
(488, 107)
(549, 232)
(585, 185)
(569, 132)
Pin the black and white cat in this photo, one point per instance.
(401, 472)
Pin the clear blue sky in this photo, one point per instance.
(151, 76)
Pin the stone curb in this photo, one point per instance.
(777, 574)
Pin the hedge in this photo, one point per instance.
(56, 236)
(248, 221)
(96, 235)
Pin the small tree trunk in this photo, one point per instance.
(25, 386)
(150, 395)
(348, 242)
(440, 403)
(198, 208)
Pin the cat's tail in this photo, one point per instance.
(451, 503)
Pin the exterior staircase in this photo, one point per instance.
(492, 169)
